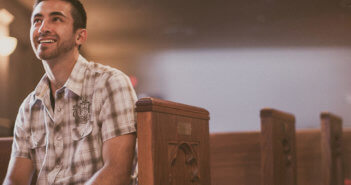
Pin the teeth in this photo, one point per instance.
(47, 41)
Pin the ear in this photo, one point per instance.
(81, 36)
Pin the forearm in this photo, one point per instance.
(20, 172)
(17, 180)
(8, 181)
(110, 176)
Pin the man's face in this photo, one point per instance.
(51, 33)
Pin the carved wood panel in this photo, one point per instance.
(183, 163)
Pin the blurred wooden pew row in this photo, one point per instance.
(174, 145)
(280, 156)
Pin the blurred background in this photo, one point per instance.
(231, 57)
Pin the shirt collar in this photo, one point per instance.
(73, 83)
(42, 90)
(76, 79)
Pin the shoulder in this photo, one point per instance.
(105, 75)
(28, 102)
(113, 91)
(25, 109)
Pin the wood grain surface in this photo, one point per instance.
(235, 158)
(278, 148)
(173, 141)
(331, 139)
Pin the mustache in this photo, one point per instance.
(46, 33)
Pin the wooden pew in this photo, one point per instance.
(308, 143)
(346, 148)
(331, 149)
(319, 153)
(237, 157)
(278, 148)
(173, 143)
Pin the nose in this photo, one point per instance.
(44, 28)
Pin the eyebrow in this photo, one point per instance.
(57, 13)
(37, 15)
(51, 14)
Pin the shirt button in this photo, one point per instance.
(59, 109)
(58, 138)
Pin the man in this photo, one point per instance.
(78, 125)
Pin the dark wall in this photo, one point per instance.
(25, 69)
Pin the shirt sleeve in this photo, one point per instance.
(21, 145)
(117, 114)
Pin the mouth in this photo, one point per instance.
(46, 41)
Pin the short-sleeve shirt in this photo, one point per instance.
(96, 104)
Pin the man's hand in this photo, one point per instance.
(20, 172)
(118, 155)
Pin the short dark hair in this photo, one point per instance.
(78, 13)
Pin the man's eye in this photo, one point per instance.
(35, 21)
(55, 19)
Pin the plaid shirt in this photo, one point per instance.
(65, 144)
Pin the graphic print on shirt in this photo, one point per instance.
(81, 111)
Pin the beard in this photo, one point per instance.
(51, 52)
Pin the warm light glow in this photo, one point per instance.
(5, 17)
(7, 45)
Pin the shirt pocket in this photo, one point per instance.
(38, 147)
(84, 147)
(81, 131)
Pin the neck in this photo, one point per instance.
(59, 69)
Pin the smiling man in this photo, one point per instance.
(78, 125)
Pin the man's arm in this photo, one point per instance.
(118, 155)
(19, 172)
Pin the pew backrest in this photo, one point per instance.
(235, 157)
(278, 148)
(173, 143)
(308, 151)
(302, 157)
(251, 158)
(331, 145)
